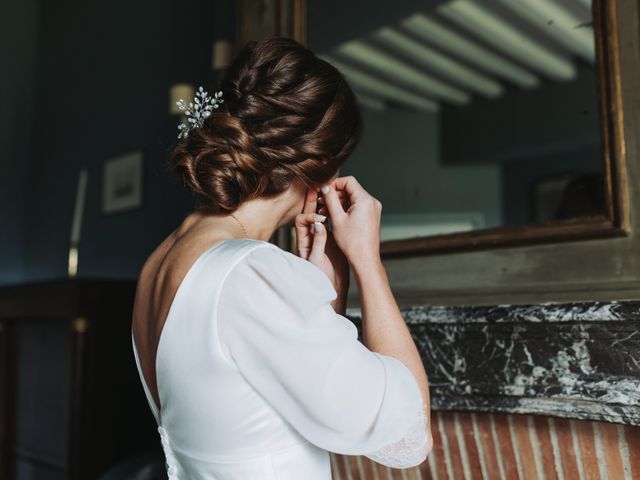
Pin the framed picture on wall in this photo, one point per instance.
(122, 182)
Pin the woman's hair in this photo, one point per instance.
(286, 115)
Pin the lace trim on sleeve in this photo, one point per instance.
(410, 450)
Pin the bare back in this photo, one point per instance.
(158, 281)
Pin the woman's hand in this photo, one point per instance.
(317, 245)
(355, 218)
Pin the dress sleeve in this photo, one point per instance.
(277, 326)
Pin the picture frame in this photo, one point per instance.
(122, 182)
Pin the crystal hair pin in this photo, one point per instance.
(198, 110)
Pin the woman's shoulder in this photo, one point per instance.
(285, 261)
(267, 262)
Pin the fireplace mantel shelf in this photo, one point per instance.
(577, 360)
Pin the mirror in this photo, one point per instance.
(487, 123)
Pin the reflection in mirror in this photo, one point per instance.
(477, 113)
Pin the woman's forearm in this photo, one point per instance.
(340, 303)
(383, 328)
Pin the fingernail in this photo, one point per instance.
(325, 189)
(317, 226)
(320, 218)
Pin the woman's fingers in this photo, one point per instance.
(349, 184)
(333, 205)
(322, 206)
(319, 242)
(351, 187)
(306, 219)
(344, 198)
(341, 194)
(310, 201)
(303, 224)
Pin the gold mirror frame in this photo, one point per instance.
(616, 221)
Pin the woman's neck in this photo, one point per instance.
(260, 218)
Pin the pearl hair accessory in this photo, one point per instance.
(198, 110)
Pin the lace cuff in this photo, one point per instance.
(410, 450)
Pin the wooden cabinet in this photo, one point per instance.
(71, 402)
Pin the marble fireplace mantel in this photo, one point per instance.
(577, 360)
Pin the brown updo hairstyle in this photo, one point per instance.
(286, 115)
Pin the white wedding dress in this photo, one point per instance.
(259, 378)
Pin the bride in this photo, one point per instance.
(248, 363)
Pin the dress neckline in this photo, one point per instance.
(152, 403)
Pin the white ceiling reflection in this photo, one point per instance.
(467, 48)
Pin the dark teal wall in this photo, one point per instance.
(17, 86)
(103, 74)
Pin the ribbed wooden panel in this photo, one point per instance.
(506, 447)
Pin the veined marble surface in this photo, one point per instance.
(578, 360)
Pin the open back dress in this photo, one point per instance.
(259, 378)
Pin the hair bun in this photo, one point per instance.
(286, 115)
